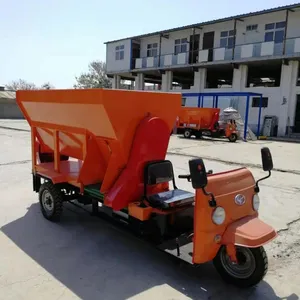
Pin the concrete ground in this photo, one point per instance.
(87, 258)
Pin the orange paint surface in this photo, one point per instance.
(96, 126)
(225, 186)
(195, 117)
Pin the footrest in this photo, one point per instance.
(94, 191)
(181, 247)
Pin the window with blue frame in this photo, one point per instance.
(119, 52)
(180, 46)
(275, 32)
(227, 39)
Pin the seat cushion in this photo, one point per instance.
(171, 199)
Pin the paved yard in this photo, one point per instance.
(286, 156)
(87, 258)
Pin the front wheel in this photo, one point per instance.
(187, 134)
(232, 138)
(250, 269)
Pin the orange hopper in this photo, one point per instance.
(198, 118)
(110, 134)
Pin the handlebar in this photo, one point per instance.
(188, 177)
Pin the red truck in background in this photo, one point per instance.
(198, 122)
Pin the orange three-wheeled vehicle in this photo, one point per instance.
(205, 122)
(107, 148)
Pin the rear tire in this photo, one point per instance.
(198, 135)
(51, 201)
(187, 134)
(251, 268)
(233, 138)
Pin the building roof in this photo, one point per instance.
(251, 14)
(7, 95)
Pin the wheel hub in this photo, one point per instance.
(245, 265)
(47, 201)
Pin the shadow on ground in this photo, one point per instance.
(93, 258)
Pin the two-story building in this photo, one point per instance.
(255, 52)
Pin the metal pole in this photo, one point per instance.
(246, 118)
(159, 50)
(192, 51)
(259, 116)
(217, 101)
(213, 101)
(202, 100)
(233, 49)
(199, 99)
(285, 31)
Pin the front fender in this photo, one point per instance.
(248, 232)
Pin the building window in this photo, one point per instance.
(275, 32)
(152, 50)
(227, 39)
(251, 27)
(180, 46)
(256, 100)
(120, 52)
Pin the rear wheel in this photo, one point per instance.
(250, 269)
(198, 135)
(232, 138)
(51, 200)
(187, 134)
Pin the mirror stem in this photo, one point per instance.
(256, 189)
(212, 202)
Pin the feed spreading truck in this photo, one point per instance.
(107, 149)
(198, 122)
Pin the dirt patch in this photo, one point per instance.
(285, 249)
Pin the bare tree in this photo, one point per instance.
(20, 85)
(95, 78)
(47, 86)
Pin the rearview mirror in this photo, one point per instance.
(266, 158)
(198, 173)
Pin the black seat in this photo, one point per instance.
(160, 172)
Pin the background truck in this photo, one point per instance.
(194, 121)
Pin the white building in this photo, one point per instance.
(256, 52)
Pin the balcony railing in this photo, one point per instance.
(289, 48)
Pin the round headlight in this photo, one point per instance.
(255, 202)
(218, 215)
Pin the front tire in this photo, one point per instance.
(187, 134)
(251, 268)
(233, 138)
(51, 201)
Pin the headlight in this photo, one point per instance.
(255, 202)
(218, 215)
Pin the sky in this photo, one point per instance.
(55, 40)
